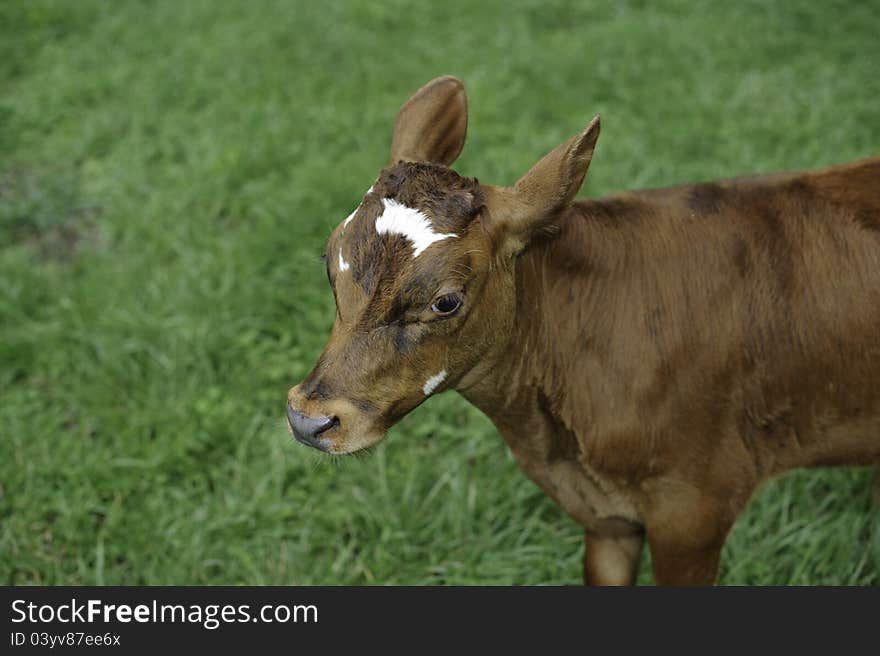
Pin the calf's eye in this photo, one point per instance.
(446, 304)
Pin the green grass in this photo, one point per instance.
(169, 172)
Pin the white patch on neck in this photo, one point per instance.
(343, 265)
(433, 381)
(398, 219)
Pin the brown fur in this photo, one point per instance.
(650, 358)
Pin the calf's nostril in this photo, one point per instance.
(330, 422)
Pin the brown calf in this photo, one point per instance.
(650, 358)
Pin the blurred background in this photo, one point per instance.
(169, 172)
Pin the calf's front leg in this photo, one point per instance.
(686, 530)
(612, 560)
(677, 564)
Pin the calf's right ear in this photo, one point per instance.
(540, 197)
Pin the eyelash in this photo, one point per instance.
(455, 298)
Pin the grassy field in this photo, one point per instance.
(169, 172)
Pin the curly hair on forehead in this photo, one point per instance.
(450, 199)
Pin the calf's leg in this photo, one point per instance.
(686, 533)
(612, 560)
(676, 564)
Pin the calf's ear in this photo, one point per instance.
(432, 125)
(540, 197)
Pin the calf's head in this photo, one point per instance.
(423, 274)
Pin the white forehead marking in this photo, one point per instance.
(351, 216)
(433, 381)
(343, 265)
(398, 219)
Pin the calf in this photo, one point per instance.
(650, 358)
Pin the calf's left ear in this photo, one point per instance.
(432, 125)
(539, 197)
